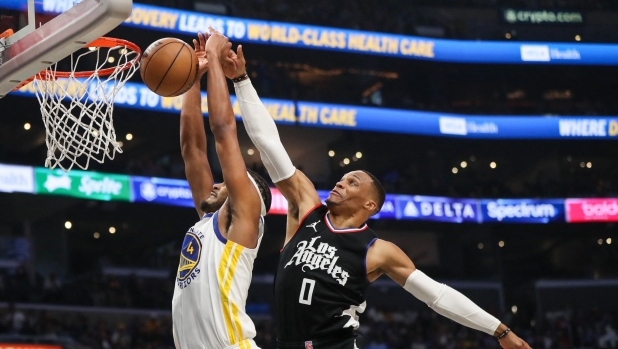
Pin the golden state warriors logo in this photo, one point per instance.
(189, 257)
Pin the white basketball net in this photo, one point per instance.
(77, 112)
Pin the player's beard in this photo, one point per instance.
(210, 206)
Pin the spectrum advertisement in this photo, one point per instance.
(522, 211)
(354, 41)
(311, 114)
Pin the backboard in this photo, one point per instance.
(46, 31)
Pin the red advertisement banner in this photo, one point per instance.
(591, 210)
(28, 346)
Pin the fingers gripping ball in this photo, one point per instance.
(169, 67)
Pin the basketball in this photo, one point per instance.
(169, 67)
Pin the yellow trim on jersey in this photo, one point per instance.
(237, 324)
(229, 261)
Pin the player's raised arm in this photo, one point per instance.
(193, 135)
(293, 184)
(244, 199)
(386, 258)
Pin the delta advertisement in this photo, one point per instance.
(354, 41)
(310, 114)
(439, 209)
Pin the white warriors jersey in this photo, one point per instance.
(214, 274)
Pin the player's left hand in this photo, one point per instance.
(200, 52)
(511, 341)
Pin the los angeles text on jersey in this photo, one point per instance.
(321, 257)
(189, 265)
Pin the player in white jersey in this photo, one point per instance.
(216, 260)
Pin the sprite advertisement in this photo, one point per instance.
(82, 184)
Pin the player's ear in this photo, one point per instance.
(371, 206)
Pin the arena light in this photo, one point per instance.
(589, 165)
(68, 224)
(129, 136)
(609, 241)
(27, 126)
(331, 153)
(120, 143)
(514, 309)
(463, 164)
(250, 151)
(359, 154)
(582, 164)
(111, 59)
(341, 164)
(112, 230)
(346, 161)
(96, 235)
(493, 164)
(455, 170)
(578, 38)
(92, 48)
(501, 244)
(480, 245)
(508, 36)
(600, 241)
(569, 158)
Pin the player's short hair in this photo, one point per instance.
(264, 188)
(379, 191)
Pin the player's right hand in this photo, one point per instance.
(218, 44)
(511, 341)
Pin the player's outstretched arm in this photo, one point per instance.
(244, 200)
(293, 184)
(386, 258)
(193, 135)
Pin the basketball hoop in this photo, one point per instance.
(77, 106)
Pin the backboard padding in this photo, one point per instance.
(58, 38)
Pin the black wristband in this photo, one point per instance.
(240, 78)
(503, 334)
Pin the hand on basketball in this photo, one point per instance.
(511, 341)
(234, 63)
(200, 52)
(218, 44)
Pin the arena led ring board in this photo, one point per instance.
(44, 36)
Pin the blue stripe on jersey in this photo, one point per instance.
(215, 225)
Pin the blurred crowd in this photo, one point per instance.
(380, 328)
(92, 289)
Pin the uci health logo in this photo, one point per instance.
(535, 53)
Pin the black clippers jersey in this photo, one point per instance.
(321, 280)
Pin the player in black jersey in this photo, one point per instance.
(330, 255)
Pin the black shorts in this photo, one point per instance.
(354, 342)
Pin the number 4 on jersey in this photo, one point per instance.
(306, 300)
